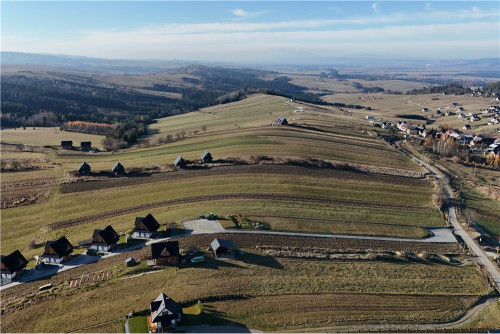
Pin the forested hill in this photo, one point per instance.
(29, 99)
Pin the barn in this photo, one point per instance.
(206, 157)
(222, 247)
(118, 169)
(57, 251)
(282, 121)
(164, 254)
(145, 227)
(179, 162)
(84, 169)
(12, 265)
(67, 144)
(86, 145)
(104, 240)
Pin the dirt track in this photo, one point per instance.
(221, 197)
(242, 169)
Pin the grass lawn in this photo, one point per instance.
(138, 324)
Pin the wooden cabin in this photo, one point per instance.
(12, 265)
(86, 145)
(145, 227)
(179, 162)
(67, 144)
(282, 121)
(118, 169)
(165, 313)
(104, 240)
(57, 251)
(84, 169)
(164, 254)
(206, 157)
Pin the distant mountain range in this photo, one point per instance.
(488, 67)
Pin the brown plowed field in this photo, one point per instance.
(331, 244)
(218, 197)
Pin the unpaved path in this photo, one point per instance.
(483, 259)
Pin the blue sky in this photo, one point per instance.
(254, 32)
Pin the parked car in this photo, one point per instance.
(197, 259)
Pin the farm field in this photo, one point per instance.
(335, 196)
(328, 172)
(387, 106)
(256, 280)
(47, 137)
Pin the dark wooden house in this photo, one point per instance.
(222, 247)
(145, 227)
(67, 144)
(12, 265)
(84, 169)
(282, 121)
(118, 169)
(57, 251)
(104, 240)
(165, 313)
(179, 162)
(164, 254)
(86, 145)
(206, 157)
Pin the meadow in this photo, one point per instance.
(39, 136)
(331, 292)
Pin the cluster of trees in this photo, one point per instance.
(87, 127)
(455, 89)
(492, 88)
(447, 147)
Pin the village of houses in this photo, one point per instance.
(468, 136)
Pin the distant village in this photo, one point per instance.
(477, 143)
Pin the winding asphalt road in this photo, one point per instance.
(459, 230)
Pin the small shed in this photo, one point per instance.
(84, 169)
(86, 145)
(130, 262)
(222, 247)
(179, 162)
(66, 144)
(282, 121)
(118, 169)
(206, 157)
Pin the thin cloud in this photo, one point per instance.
(246, 14)
(375, 7)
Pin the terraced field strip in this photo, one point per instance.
(218, 197)
(271, 169)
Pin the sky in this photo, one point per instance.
(254, 32)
